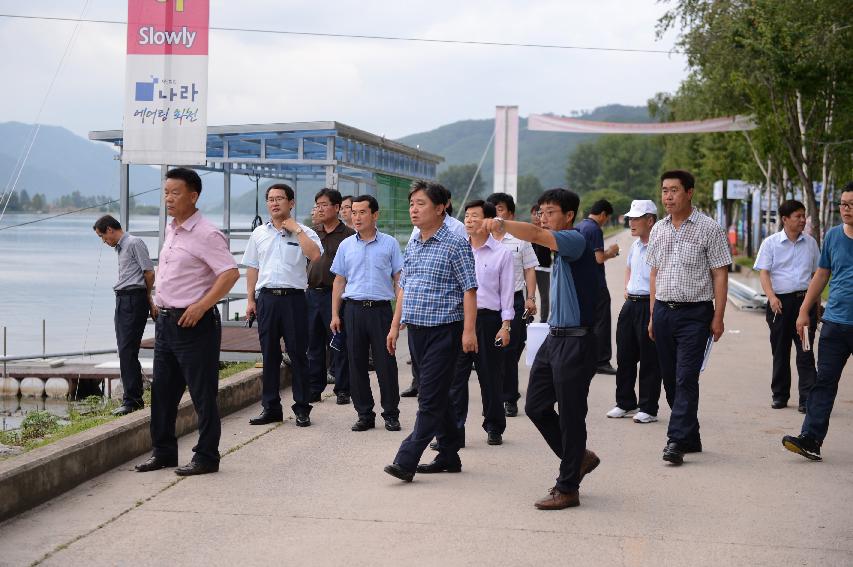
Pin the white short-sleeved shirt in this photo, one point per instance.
(523, 257)
(791, 264)
(638, 281)
(277, 256)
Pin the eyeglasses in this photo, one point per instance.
(277, 199)
(846, 205)
(322, 205)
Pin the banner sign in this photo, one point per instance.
(165, 111)
(559, 124)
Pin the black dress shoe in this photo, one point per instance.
(510, 409)
(779, 404)
(495, 439)
(155, 464)
(303, 421)
(316, 398)
(605, 369)
(193, 468)
(363, 425)
(125, 409)
(397, 471)
(342, 399)
(410, 392)
(392, 424)
(267, 416)
(672, 453)
(438, 466)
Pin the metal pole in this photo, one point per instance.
(43, 339)
(4, 353)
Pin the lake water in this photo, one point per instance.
(60, 271)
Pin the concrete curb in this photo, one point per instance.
(41, 474)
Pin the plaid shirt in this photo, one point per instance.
(685, 257)
(436, 275)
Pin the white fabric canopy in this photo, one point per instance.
(546, 123)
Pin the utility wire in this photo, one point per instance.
(375, 37)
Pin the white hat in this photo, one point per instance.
(642, 207)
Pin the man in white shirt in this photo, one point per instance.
(633, 344)
(786, 261)
(276, 258)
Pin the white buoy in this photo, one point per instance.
(56, 388)
(32, 387)
(9, 387)
(116, 389)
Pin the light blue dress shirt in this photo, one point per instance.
(278, 257)
(368, 266)
(638, 282)
(791, 264)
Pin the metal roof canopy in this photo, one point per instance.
(295, 151)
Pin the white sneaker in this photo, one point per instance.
(619, 412)
(643, 417)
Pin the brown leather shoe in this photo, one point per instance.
(557, 500)
(588, 463)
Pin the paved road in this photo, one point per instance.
(318, 496)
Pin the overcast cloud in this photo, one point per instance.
(385, 87)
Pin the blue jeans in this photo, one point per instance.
(835, 347)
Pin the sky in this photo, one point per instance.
(388, 88)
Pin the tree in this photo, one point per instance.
(39, 203)
(24, 199)
(626, 164)
(457, 179)
(529, 189)
(584, 168)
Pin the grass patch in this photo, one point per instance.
(745, 261)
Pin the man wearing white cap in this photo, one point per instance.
(633, 344)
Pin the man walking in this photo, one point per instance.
(524, 264)
(836, 336)
(133, 305)
(565, 363)
(437, 301)
(689, 257)
(786, 261)
(275, 259)
(597, 216)
(332, 232)
(493, 265)
(196, 270)
(633, 344)
(346, 211)
(367, 269)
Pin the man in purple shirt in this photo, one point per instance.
(196, 269)
(493, 264)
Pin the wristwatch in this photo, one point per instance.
(298, 231)
(508, 328)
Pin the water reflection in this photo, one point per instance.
(13, 410)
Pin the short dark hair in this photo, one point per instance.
(789, 207)
(686, 178)
(565, 199)
(371, 201)
(601, 206)
(333, 194)
(288, 190)
(489, 210)
(188, 176)
(107, 221)
(345, 197)
(848, 188)
(435, 192)
(505, 198)
(534, 208)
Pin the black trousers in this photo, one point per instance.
(489, 363)
(435, 349)
(517, 340)
(186, 357)
(633, 346)
(283, 316)
(561, 373)
(367, 329)
(543, 284)
(680, 337)
(602, 328)
(319, 336)
(131, 314)
(783, 331)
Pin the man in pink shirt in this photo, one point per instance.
(196, 269)
(493, 264)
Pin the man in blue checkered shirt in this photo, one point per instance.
(437, 301)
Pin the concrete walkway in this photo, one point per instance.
(318, 496)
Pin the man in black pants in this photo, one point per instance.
(196, 269)
(565, 363)
(275, 259)
(367, 268)
(133, 305)
(689, 256)
(437, 301)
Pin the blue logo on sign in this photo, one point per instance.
(145, 91)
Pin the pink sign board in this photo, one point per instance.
(167, 27)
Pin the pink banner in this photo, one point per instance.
(559, 124)
(167, 27)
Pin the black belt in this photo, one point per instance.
(320, 288)
(792, 294)
(368, 303)
(632, 297)
(177, 313)
(132, 291)
(683, 304)
(281, 290)
(488, 311)
(568, 331)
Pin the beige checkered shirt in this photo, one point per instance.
(685, 257)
